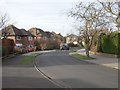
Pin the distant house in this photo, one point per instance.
(40, 38)
(58, 37)
(72, 39)
(44, 39)
(21, 37)
(38, 33)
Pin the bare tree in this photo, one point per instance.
(4, 19)
(4, 22)
(91, 18)
(113, 8)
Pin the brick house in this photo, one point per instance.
(38, 33)
(58, 37)
(40, 38)
(45, 38)
(72, 39)
(21, 37)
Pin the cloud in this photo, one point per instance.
(45, 14)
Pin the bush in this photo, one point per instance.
(72, 45)
(40, 44)
(7, 47)
(108, 43)
(52, 44)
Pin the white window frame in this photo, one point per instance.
(18, 37)
(30, 38)
(18, 45)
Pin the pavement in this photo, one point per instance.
(108, 61)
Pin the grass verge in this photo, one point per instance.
(73, 50)
(81, 57)
(27, 59)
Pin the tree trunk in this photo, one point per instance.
(87, 44)
(87, 49)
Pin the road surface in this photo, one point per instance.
(16, 75)
(72, 73)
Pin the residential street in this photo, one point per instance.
(57, 69)
(59, 44)
(16, 75)
(73, 73)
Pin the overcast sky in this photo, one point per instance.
(49, 15)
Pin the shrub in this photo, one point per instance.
(52, 44)
(72, 45)
(7, 47)
(108, 43)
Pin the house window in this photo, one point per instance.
(18, 37)
(18, 45)
(30, 46)
(30, 38)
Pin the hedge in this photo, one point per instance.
(7, 47)
(109, 43)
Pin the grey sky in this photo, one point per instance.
(49, 15)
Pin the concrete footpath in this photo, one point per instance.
(108, 61)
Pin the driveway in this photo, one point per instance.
(73, 73)
(16, 75)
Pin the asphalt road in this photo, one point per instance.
(16, 75)
(72, 73)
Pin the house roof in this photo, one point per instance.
(40, 32)
(11, 30)
(37, 31)
(49, 34)
(24, 32)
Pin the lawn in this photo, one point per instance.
(81, 57)
(27, 59)
(73, 50)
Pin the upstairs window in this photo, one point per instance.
(30, 38)
(18, 37)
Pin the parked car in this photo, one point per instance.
(64, 46)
